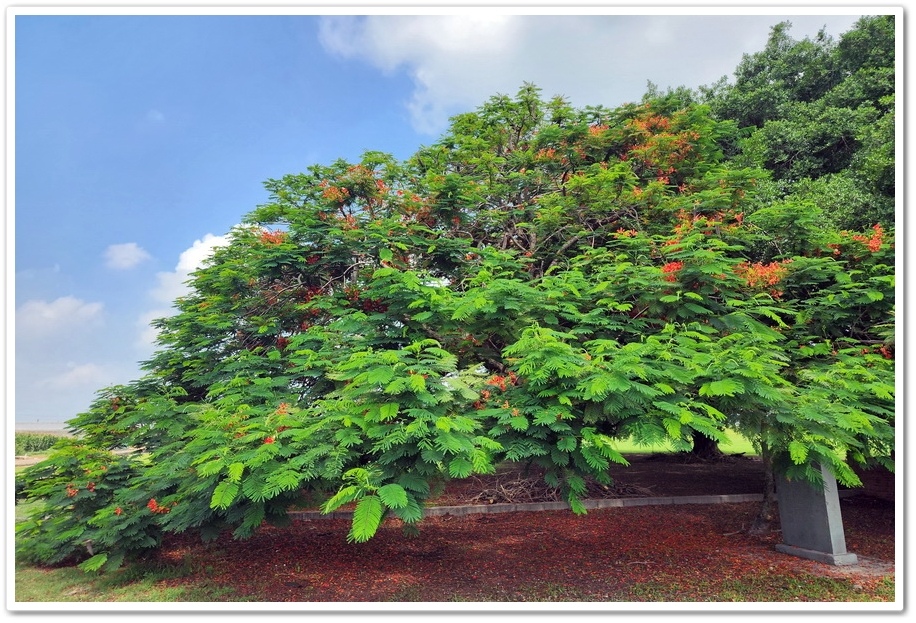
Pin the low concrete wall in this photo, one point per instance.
(878, 482)
(476, 509)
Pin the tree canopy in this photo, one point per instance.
(819, 115)
(537, 284)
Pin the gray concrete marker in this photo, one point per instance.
(812, 525)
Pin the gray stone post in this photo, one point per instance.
(812, 525)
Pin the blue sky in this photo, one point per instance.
(141, 140)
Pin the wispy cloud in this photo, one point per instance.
(125, 256)
(155, 116)
(88, 375)
(42, 318)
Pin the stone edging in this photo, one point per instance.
(474, 509)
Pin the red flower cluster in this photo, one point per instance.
(352, 293)
(652, 123)
(671, 269)
(874, 241)
(500, 381)
(155, 508)
(497, 381)
(269, 440)
(334, 193)
(546, 153)
(272, 237)
(311, 292)
(760, 275)
(374, 305)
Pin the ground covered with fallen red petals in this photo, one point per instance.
(697, 552)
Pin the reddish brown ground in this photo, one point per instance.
(607, 555)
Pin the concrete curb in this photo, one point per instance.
(478, 509)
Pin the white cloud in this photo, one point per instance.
(456, 62)
(193, 257)
(125, 256)
(155, 116)
(394, 40)
(172, 285)
(41, 318)
(87, 375)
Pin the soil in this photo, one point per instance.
(601, 556)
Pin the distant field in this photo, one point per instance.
(58, 428)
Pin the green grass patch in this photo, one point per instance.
(138, 582)
(769, 587)
(763, 588)
(535, 592)
(736, 444)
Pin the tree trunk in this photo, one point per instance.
(705, 448)
(766, 518)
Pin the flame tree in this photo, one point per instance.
(537, 284)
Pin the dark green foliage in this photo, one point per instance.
(785, 71)
(819, 116)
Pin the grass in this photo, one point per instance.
(763, 589)
(768, 588)
(137, 582)
(144, 583)
(736, 444)
(537, 592)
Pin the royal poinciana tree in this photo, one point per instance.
(539, 283)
